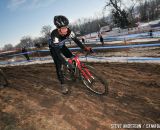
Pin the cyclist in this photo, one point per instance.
(62, 32)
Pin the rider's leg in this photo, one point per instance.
(67, 53)
(58, 63)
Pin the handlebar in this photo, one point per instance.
(88, 53)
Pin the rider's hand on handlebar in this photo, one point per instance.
(88, 50)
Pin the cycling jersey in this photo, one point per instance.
(57, 50)
(56, 37)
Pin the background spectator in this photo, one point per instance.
(24, 50)
(101, 39)
(83, 40)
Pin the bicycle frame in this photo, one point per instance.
(90, 77)
(81, 67)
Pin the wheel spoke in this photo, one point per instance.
(96, 83)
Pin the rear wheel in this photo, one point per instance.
(96, 83)
(3, 79)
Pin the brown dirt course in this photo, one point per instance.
(33, 101)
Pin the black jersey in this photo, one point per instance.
(56, 37)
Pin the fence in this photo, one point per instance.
(94, 48)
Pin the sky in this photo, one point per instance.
(26, 17)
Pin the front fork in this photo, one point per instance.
(86, 74)
(80, 68)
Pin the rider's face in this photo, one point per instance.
(63, 30)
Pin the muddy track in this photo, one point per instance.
(33, 100)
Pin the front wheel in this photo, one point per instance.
(96, 83)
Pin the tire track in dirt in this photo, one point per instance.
(34, 100)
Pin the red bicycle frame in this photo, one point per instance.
(81, 67)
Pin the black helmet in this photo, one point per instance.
(60, 21)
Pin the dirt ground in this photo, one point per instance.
(33, 101)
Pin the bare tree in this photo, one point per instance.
(25, 41)
(120, 15)
(89, 25)
(46, 31)
(132, 11)
(8, 47)
(149, 10)
(39, 42)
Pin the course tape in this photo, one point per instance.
(94, 48)
(128, 58)
(128, 36)
(89, 58)
(122, 46)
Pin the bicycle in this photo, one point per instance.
(90, 77)
(3, 79)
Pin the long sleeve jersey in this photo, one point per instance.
(56, 38)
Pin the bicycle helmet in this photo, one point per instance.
(60, 21)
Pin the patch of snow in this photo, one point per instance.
(89, 59)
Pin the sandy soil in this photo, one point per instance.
(33, 101)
